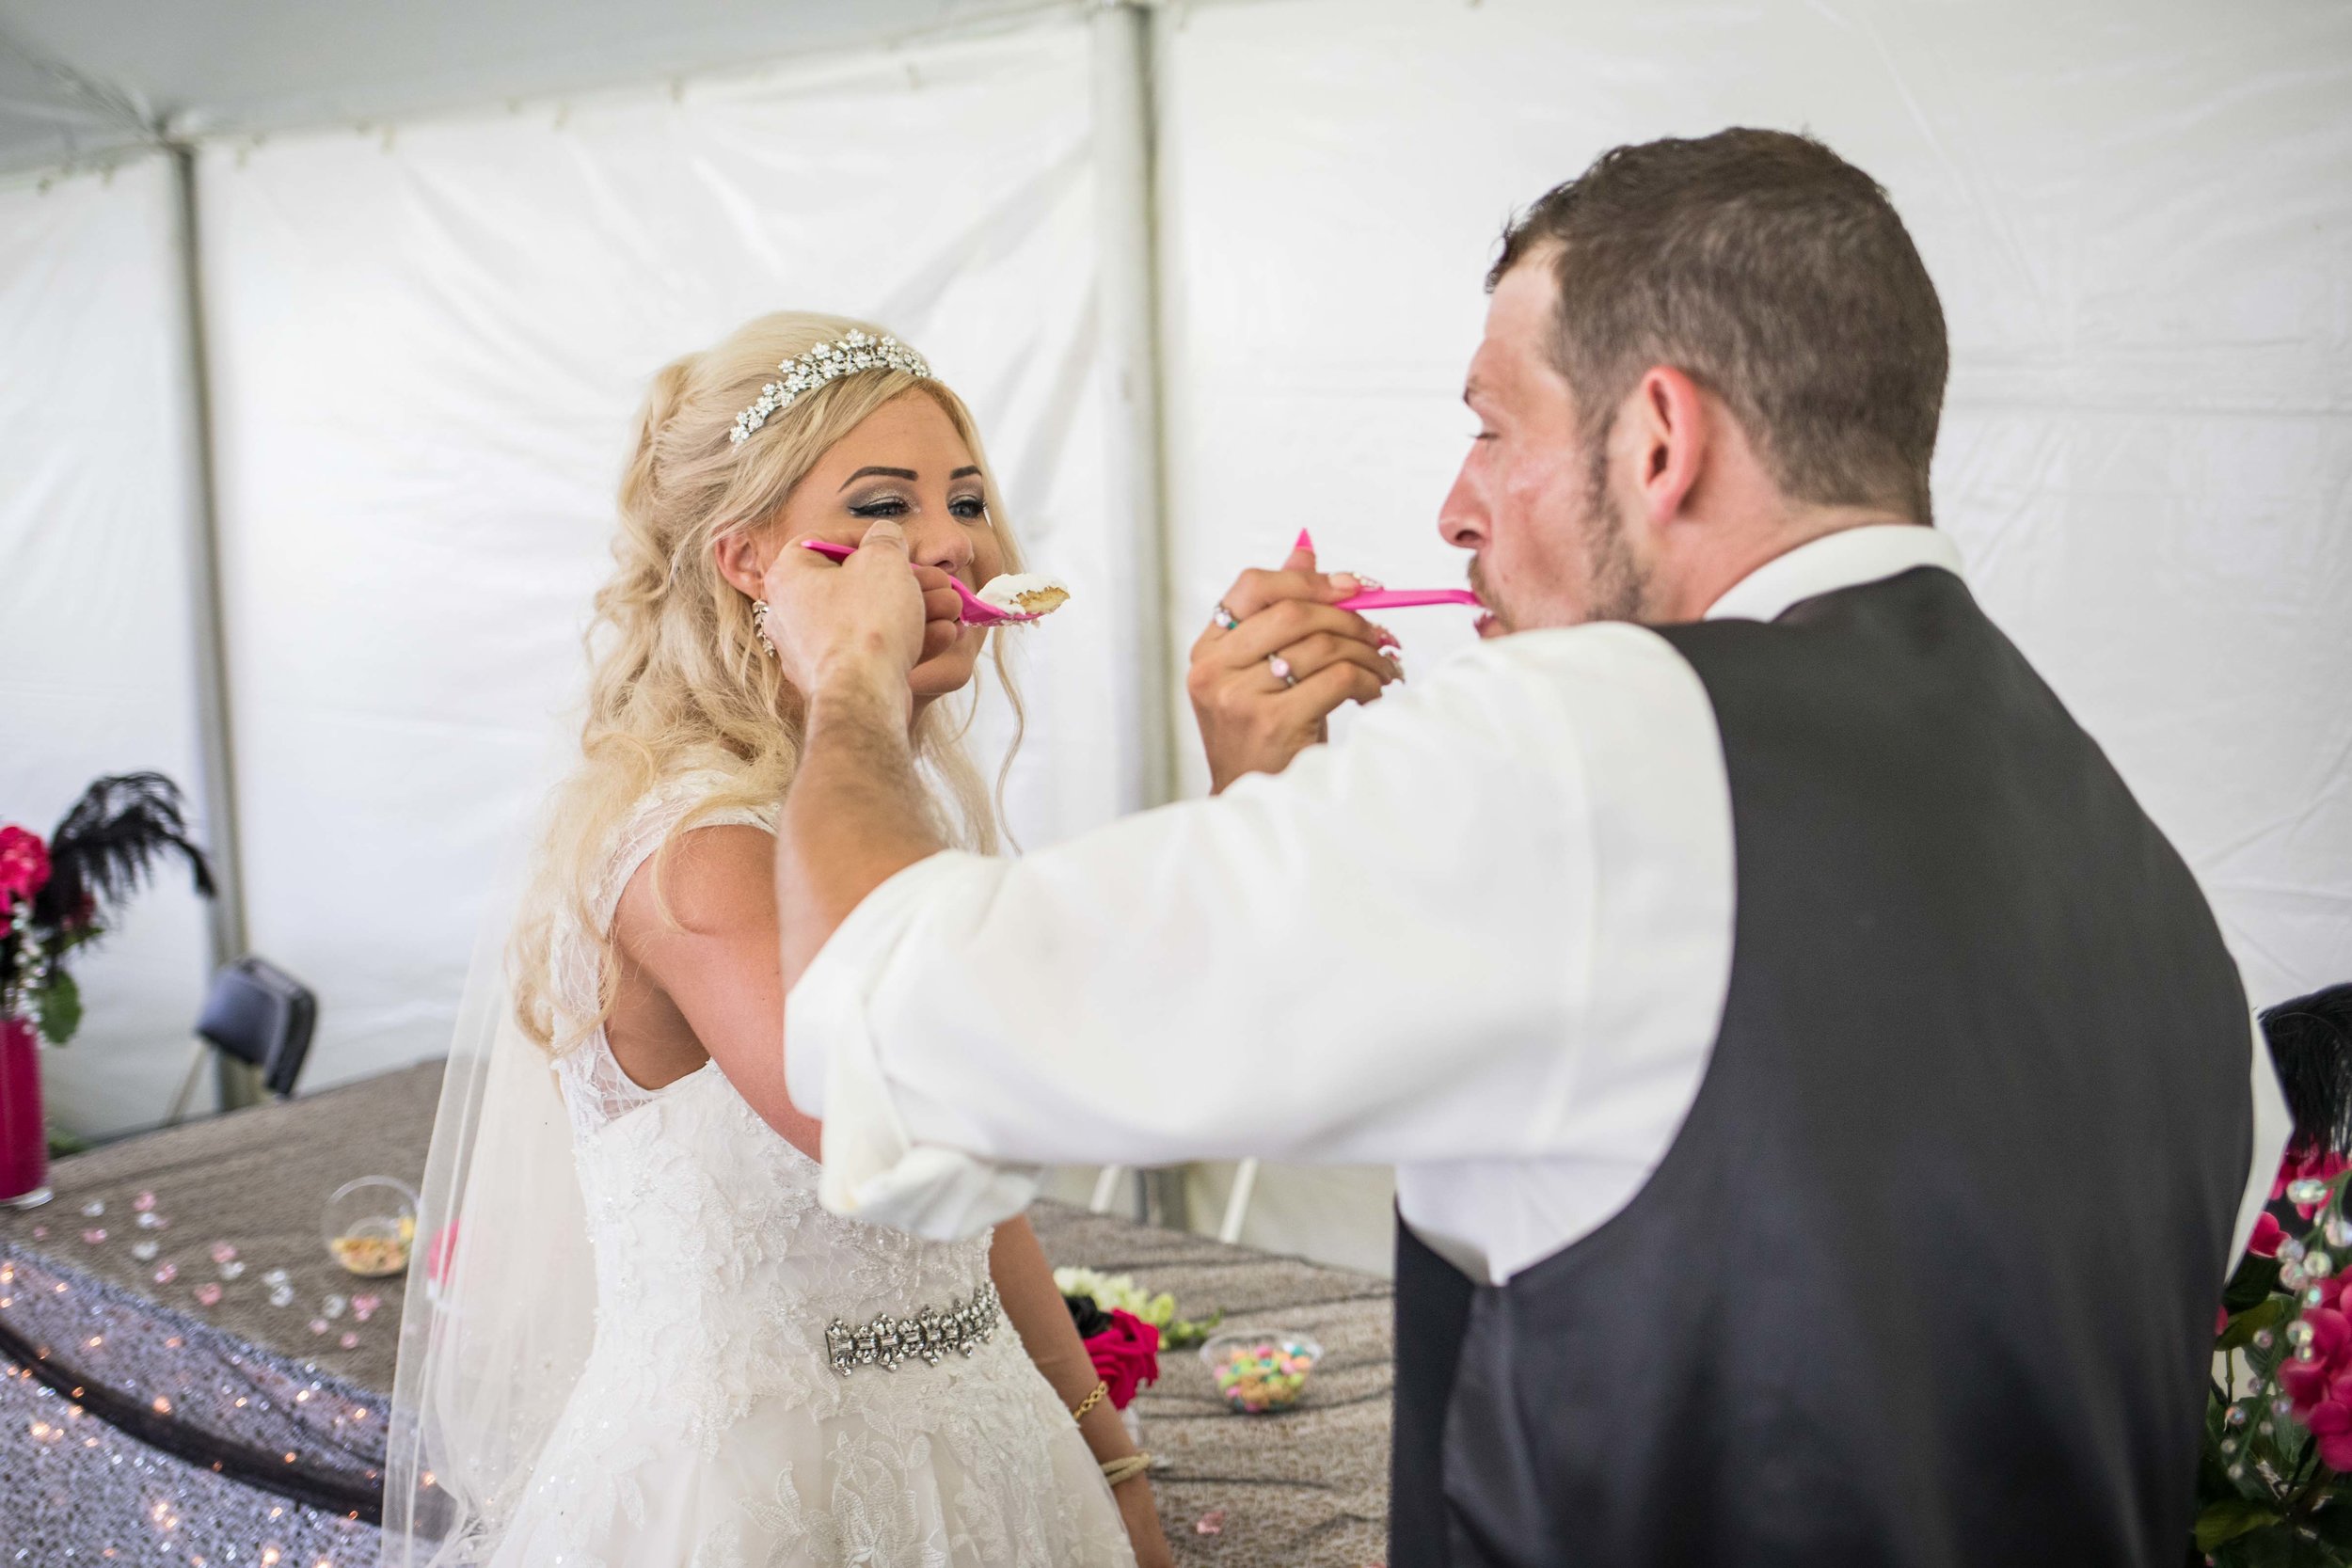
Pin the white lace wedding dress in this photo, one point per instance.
(710, 1429)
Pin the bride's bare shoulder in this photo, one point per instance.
(715, 881)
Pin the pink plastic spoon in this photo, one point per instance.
(1406, 598)
(976, 611)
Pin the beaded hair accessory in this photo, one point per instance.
(844, 355)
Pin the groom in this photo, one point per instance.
(1821, 1101)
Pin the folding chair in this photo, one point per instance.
(1236, 1201)
(258, 1014)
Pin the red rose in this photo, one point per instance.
(23, 864)
(2268, 1234)
(1125, 1354)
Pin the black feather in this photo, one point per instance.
(2310, 1044)
(108, 843)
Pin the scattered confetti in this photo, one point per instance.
(94, 1209)
(166, 1275)
(363, 1307)
(144, 1202)
(276, 1277)
(349, 1341)
(145, 1251)
(91, 1238)
(153, 1222)
(318, 1326)
(232, 1269)
(223, 1252)
(208, 1294)
(40, 1233)
(333, 1306)
(1211, 1523)
(282, 1295)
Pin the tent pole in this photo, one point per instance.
(217, 780)
(1127, 295)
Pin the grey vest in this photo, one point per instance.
(1928, 1276)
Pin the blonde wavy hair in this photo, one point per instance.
(680, 683)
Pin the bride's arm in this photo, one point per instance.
(708, 965)
(1024, 1284)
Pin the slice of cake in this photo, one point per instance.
(1024, 593)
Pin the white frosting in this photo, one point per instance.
(1004, 593)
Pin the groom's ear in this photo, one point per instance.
(1673, 426)
(742, 561)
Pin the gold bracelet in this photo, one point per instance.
(1116, 1471)
(1089, 1402)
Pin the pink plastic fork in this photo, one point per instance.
(976, 611)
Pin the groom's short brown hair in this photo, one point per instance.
(1772, 272)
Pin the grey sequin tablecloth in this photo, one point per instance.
(1302, 1489)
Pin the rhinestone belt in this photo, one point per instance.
(930, 1334)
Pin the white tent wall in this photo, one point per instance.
(95, 666)
(2140, 221)
(429, 346)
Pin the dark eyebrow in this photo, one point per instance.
(965, 472)
(887, 473)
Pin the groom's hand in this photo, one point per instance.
(1262, 688)
(859, 622)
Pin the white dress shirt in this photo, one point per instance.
(1486, 939)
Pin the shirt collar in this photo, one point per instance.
(1847, 559)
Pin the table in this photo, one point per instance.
(192, 1259)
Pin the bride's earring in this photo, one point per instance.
(759, 625)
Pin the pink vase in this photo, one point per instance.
(23, 1135)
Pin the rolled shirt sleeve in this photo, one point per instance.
(1388, 954)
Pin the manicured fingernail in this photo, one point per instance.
(1306, 541)
(1372, 585)
(1386, 638)
(1348, 583)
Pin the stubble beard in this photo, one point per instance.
(1617, 582)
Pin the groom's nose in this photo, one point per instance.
(1462, 517)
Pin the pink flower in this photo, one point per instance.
(2335, 1450)
(2313, 1164)
(2268, 1234)
(2330, 1333)
(23, 864)
(2220, 1322)
(2305, 1382)
(1125, 1354)
(2327, 1419)
(441, 1256)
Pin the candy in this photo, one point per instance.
(1259, 1375)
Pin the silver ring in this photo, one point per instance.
(1225, 618)
(1281, 668)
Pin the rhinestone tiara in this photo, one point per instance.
(844, 355)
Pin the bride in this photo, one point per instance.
(653, 1346)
